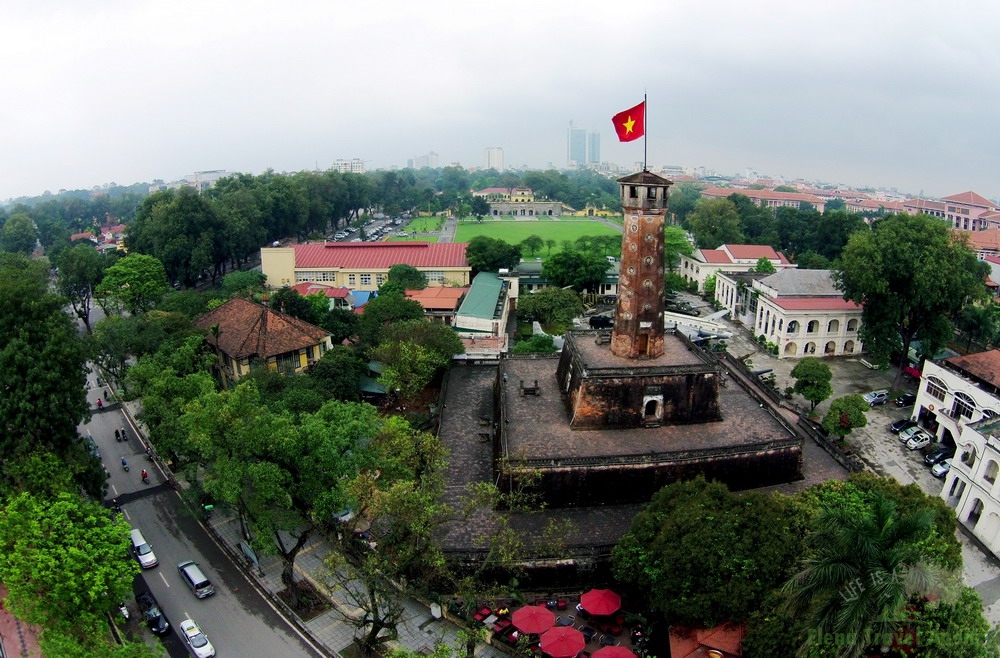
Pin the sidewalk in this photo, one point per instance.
(417, 629)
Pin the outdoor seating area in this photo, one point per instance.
(592, 625)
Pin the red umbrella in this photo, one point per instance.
(613, 652)
(533, 619)
(563, 642)
(601, 602)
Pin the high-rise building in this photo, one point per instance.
(593, 148)
(576, 146)
(494, 158)
(421, 161)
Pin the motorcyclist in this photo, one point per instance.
(145, 475)
(100, 403)
(124, 464)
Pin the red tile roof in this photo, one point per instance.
(815, 304)
(247, 329)
(751, 251)
(985, 240)
(984, 365)
(81, 236)
(312, 288)
(380, 256)
(970, 198)
(715, 256)
(923, 204)
(438, 298)
(763, 194)
(692, 643)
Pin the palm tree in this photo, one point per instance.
(976, 322)
(861, 570)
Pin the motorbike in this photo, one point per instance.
(124, 435)
(118, 436)
(115, 504)
(124, 465)
(145, 477)
(124, 610)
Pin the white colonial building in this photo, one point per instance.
(800, 311)
(703, 263)
(959, 402)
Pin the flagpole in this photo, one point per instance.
(645, 131)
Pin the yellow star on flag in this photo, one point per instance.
(628, 124)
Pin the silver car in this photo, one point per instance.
(940, 469)
(919, 441)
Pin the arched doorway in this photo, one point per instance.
(791, 349)
(976, 513)
(831, 348)
(810, 348)
(849, 347)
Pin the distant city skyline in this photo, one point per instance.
(855, 93)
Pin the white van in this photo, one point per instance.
(143, 551)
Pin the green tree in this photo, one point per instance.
(550, 305)
(549, 243)
(532, 244)
(407, 276)
(63, 561)
(858, 574)
(134, 284)
(41, 373)
(243, 283)
(764, 266)
(785, 188)
(81, 269)
(413, 352)
(757, 223)
(977, 322)
(279, 477)
(342, 324)
(675, 245)
(673, 551)
(810, 260)
(290, 302)
(715, 222)
(338, 372)
(710, 286)
(845, 414)
(383, 311)
(834, 205)
(909, 274)
(18, 234)
(812, 380)
(581, 270)
(490, 254)
(537, 344)
(479, 207)
(182, 230)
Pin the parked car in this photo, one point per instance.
(877, 397)
(939, 454)
(941, 468)
(902, 424)
(151, 613)
(906, 400)
(919, 441)
(909, 433)
(195, 579)
(601, 322)
(196, 639)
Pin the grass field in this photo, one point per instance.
(514, 232)
(414, 238)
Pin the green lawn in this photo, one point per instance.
(514, 232)
(412, 238)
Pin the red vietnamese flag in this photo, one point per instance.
(630, 124)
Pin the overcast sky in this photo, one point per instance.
(891, 94)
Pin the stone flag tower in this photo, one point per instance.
(638, 329)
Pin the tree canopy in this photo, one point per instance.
(715, 222)
(134, 284)
(490, 254)
(846, 414)
(580, 270)
(550, 304)
(812, 380)
(910, 274)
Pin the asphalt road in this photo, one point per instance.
(237, 620)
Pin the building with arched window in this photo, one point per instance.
(800, 311)
(959, 403)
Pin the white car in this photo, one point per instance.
(940, 469)
(909, 433)
(918, 441)
(197, 640)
